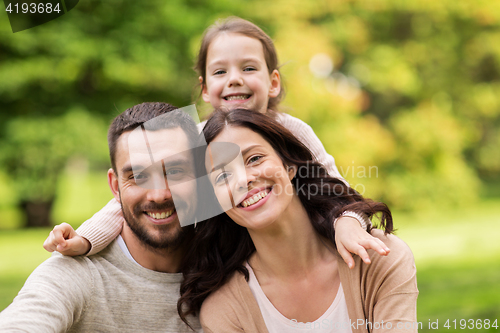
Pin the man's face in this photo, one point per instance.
(146, 198)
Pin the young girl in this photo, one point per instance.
(238, 67)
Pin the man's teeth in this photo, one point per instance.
(256, 198)
(237, 97)
(162, 215)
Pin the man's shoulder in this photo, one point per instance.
(63, 268)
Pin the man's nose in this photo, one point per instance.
(161, 192)
(159, 195)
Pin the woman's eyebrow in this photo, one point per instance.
(224, 163)
(244, 152)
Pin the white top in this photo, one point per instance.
(124, 248)
(335, 319)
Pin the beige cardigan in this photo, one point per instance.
(384, 291)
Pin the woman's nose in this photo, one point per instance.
(252, 176)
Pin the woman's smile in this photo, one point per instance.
(255, 199)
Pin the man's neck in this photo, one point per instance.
(160, 260)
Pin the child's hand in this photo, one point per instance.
(350, 237)
(64, 239)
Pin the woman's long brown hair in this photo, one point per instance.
(221, 247)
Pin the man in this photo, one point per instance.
(133, 284)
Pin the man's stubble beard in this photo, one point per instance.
(170, 236)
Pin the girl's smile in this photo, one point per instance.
(237, 74)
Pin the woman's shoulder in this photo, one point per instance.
(397, 269)
(232, 308)
(399, 249)
(224, 297)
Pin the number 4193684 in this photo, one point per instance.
(472, 324)
(33, 8)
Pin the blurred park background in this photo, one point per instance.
(404, 94)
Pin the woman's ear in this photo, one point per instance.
(275, 88)
(291, 170)
(204, 91)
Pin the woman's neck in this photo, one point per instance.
(290, 246)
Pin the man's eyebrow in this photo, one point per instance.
(129, 168)
(178, 161)
(168, 163)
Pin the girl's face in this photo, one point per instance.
(267, 181)
(237, 74)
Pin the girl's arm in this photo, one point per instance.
(349, 236)
(93, 235)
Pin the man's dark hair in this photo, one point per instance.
(139, 114)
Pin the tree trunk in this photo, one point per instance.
(37, 213)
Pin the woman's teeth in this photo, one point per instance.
(162, 215)
(256, 198)
(236, 97)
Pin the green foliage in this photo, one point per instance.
(424, 76)
(35, 150)
(414, 91)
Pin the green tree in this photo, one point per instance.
(35, 152)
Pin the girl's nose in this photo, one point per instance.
(235, 79)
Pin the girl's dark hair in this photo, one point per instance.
(246, 28)
(221, 247)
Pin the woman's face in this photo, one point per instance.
(263, 191)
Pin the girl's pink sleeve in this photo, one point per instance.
(102, 228)
(306, 135)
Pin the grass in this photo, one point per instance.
(457, 254)
(21, 252)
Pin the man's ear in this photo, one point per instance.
(275, 87)
(113, 184)
(204, 91)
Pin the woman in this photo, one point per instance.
(270, 263)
